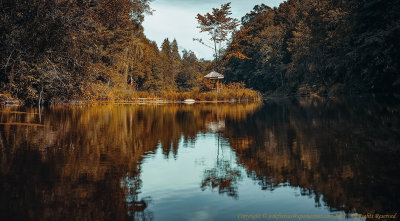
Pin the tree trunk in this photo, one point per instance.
(216, 53)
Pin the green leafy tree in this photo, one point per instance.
(189, 73)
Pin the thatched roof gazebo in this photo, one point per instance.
(213, 75)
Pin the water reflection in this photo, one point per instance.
(85, 161)
(127, 162)
(343, 152)
(223, 175)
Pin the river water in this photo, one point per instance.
(284, 159)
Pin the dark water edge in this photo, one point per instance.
(142, 162)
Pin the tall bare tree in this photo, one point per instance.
(218, 25)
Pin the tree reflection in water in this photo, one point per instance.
(222, 176)
(344, 153)
(85, 162)
(136, 208)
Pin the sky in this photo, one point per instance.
(176, 19)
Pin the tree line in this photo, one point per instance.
(318, 46)
(74, 49)
(59, 49)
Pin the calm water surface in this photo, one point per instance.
(332, 159)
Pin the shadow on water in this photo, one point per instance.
(85, 162)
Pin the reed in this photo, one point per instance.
(234, 92)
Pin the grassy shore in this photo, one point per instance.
(233, 93)
(224, 95)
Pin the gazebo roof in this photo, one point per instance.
(214, 75)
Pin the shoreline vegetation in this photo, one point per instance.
(230, 95)
(97, 52)
(143, 97)
(61, 51)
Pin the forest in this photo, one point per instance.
(96, 49)
(58, 49)
(325, 47)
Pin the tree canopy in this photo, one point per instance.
(63, 50)
(73, 49)
(323, 46)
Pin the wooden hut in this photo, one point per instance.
(217, 77)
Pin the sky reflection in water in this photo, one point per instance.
(200, 162)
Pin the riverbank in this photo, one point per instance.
(142, 97)
(237, 95)
(6, 99)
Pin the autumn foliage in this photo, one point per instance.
(88, 50)
(325, 47)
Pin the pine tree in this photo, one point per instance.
(175, 51)
(168, 65)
